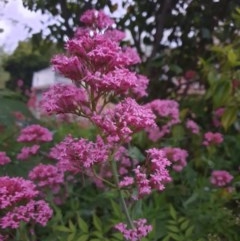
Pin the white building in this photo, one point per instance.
(41, 81)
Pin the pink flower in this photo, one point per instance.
(127, 117)
(64, 99)
(177, 156)
(140, 89)
(156, 176)
(125, 165)
(4, 238)
(220, 178)
(79, 155)
(192, 126)
(19, 116)
(120, 81)
(70, 67)
(127, 181)
(15, 190)
(35, 133)
(97, 19)
(190, 74)
(117, 36)
(28, 151)
(33, 211)
(165, 110)
(218, 113)
(140, 230)
(47, 176)
(20, 83)
(4, 159)
(211, 138)
(17, 203)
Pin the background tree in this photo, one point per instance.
(172, 33)
(4, 75)
(27, 59)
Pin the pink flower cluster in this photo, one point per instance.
(97, 19)
(47, 177)
(163, 109)
(97, 63)
(211, 138)
(126, 118)
(35, 133)
(177, 156)
(125, 165)
(220, 178)
(34, 211)
(4, 238)
(78, 155)
(17, 203)
(218, 113)
(192, 126)
(141, 229)
(4, 159)
(62, 98)
(156, 176)
(27, 152)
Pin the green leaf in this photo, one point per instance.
(117, 235)
(116, 209)
(62, 229)
(189, 231)
(71, 237)
(167, 238)
(232, 57)
(84, 237)
(173, 212)
(97, 223)
(71, 226)
(173, 222)
(173, 228)
(176, 237)
(184, 225)
(229, 117)
(135, 153)
(221, 93)
(181, 219)
(82, 224)
(97, 234)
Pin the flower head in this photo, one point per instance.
(4, 159)
(63, 99)
(126, 118)
(192, 126)
(167, 111)
(35, 133)
(141, 229)
(177, 156)
(220, 178)
(28, 151)
(211, 138)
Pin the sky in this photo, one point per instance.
(15, 20)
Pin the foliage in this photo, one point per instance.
(25, 60)
(154, 27)
(3, 73)
(191, 208)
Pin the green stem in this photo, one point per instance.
(122, 200)
(102, 179)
